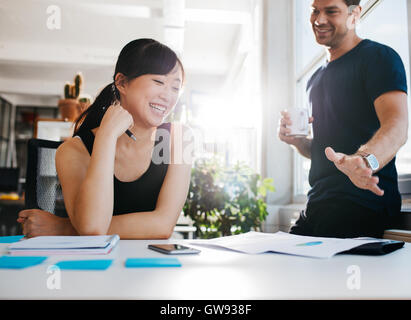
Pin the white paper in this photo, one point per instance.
(62, 242)
(282, 242)
(64, 245)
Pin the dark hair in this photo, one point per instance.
(352, 2)
(137, 58)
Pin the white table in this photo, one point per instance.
(217, 274)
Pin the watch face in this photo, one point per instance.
(373, 162)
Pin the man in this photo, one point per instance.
(360, 121)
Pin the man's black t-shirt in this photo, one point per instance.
(342, 94)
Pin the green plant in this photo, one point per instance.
(72, 90)
(84, 99)
(226, 200)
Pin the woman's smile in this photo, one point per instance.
(158, 108)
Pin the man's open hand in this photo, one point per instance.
(355, 168)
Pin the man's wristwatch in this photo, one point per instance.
(370, 160)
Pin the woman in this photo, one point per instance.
(111, 183)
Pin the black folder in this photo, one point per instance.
(376, 248)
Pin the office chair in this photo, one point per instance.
(43, 189)
(9, 179)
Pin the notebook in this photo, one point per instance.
(49, 245)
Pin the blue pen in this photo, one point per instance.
(314, 243)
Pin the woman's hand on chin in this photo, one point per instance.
(37, 222)
(116, 121)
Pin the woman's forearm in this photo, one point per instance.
(94, 202)
(143, 225)
(139, 225)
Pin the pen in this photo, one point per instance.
(128, 132)
(314, 243)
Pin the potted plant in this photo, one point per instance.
(69, 106)
(225, 200)
(84, 102)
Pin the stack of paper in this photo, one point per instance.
(281, 242)
(49, 245)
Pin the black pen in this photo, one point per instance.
(131, 135)
(128, 132)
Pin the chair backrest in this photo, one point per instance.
(9, 179)
(43, 189)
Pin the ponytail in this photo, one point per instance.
(92, 116)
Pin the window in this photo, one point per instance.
(228, 120)
(384, 23)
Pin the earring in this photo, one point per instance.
(114, 90)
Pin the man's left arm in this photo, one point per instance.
(392, 112)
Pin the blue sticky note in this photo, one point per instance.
(84, 264)
(10, 239)
(9, 262)
(152, 262)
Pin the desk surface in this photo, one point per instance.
(217, 274)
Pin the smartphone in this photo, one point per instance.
(173, 249)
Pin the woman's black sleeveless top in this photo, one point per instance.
(139, 195)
